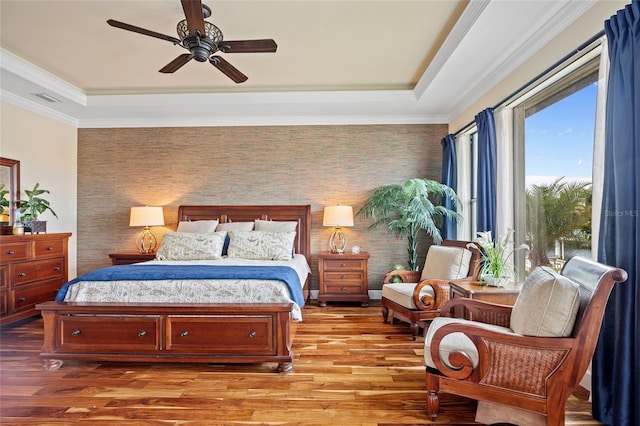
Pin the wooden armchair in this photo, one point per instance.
(521, 363)
(420, 294)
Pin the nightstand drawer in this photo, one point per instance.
(343, 264)
(343, 288)
(343, 278)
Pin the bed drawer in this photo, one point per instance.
(221, 334)
(102, 334)
(27, 272)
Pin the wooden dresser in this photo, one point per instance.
(32, 269)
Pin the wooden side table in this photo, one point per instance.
(477, 290)
(127, 258)
(343, 278)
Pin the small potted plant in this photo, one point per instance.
(496, 268)
(32, 207)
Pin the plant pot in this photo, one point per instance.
(36, 226)
(496, 281)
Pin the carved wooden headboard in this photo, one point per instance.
(225, 214)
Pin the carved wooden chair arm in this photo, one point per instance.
(426, 302)
(533, 359)
(406, 275)
(481, 311)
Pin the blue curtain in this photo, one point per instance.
(487, 180)
(449, 178)
(616, 363)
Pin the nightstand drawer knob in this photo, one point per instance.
(142, 333)
(343, 265)
(342, 277)
(343, 289)
(49, 248)
(75, 332)
(185, 333)
(11, 252)
(252, 334)
(22, 274)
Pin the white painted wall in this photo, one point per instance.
(47, 151)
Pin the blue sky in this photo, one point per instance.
(559, 139)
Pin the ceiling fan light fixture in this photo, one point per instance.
(213, 33)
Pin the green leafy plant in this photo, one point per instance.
(408, 208)
(4, 202)
(34, 205)
(495, 259)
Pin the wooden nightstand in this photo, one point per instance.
(474, 290)
(127, 258)
(343, 278)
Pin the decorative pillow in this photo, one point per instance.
(198, 226)
(191, 246)
(446, 263)
(275, 226)
(235, 226)
(261, 245)
(546, 306)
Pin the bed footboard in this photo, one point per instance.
(208, 333)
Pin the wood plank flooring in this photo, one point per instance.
(350, 368)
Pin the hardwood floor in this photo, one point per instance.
(349, 369)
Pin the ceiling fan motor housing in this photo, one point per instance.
(201, 48)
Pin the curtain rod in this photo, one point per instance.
(542, 74)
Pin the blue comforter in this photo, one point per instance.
(192, 272)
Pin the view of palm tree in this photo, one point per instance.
(559, 142)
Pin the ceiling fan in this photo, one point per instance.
(202, 39)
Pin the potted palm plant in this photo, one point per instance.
(406, 209)
(31, 208)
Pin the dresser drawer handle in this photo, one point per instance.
(75, 332)
(22, 274)
(184, 333)
(57, 268)
(22, 299)
(49, 248)
(10, 252)
(142, 333)
(252, 334)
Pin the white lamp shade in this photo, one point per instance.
(146, 216)
(338, 216)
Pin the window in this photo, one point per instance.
(553, 167)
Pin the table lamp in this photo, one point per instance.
(338, 216)
(146, 216)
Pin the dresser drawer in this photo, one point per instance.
(28, 296)
(250, 335)
(119, 333)
(4, 277)
(13, 252)
(343, 264)
(51, 248)
(24, 273)
(4, 303)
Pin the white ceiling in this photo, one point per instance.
(338, 62)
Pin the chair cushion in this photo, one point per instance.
(455, 341)
(402, 293)
(446, 263)
(546, 306)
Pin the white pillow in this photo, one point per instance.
(191, 246)
(275, 226)
(546, 306)
(235, 226)
(198, 226)
(446, 263)
(261, 245)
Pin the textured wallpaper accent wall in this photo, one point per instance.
(316, 165)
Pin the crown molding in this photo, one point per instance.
(36, 108)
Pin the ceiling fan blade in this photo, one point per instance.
(142, 31)
(248, 46)
(177, 63)
(229, 70)
(195, 17)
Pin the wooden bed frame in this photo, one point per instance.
(210, 333)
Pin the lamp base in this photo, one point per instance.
(337, 242)
(146, 241)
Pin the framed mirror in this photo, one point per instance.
(9, 191)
